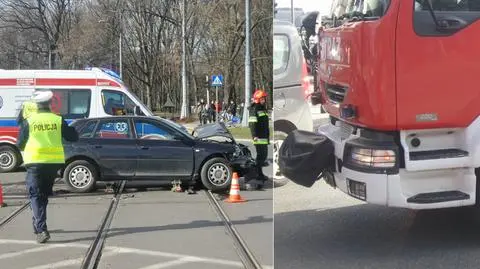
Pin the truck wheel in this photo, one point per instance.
(216, 174)
(80, 176)
(9, 159)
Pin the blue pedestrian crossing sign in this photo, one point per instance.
(217, 81)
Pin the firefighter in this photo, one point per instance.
(40, 139)
(259, 128)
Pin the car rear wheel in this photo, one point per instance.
(9, 159)
(216, 174)
(81, 176)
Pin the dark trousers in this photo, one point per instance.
(262, 153)
(39, 181)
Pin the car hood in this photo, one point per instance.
(212, 130)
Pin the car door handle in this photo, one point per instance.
(144, 147)
(98, 146)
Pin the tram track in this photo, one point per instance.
(244, 252)
(94, 252)
(19, 210)
(93, 256)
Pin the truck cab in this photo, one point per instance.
(398, 80)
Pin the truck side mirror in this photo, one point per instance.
(309, 23)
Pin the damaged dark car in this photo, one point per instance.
(152, 150)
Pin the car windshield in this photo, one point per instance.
(285, 14)
(360, 9)
(177, 127)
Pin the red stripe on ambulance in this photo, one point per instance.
(58, 82)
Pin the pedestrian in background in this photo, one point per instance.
(259, 128)
(40, 139)
(213, 109)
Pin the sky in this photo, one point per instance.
(308, 5)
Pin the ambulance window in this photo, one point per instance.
(113, 129)
(117, 103)
(79, 104)
(71, 104)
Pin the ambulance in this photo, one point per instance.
(95, 92)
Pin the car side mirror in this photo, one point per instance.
(309, 23)
(137, 111)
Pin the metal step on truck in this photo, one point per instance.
(399, 80)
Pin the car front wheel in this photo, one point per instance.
(216, 174)
(80, 176)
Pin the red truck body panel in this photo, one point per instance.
(392, 75)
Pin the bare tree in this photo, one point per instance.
(79, 33)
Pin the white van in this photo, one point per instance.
(291, 110)
(77, 94)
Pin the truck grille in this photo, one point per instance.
(346, 130)
(335, 93)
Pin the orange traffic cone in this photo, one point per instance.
(2, 204)
(235, 191)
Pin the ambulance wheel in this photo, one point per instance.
(216, 174)
(80, 176)
(10, 159)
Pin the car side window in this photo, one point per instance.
(150, 130)
(113, 129)
(281, 53)
(88, 130)
(117, 103)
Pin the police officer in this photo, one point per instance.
(259, 128)
(28, 108)
(40, 139)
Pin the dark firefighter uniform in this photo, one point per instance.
(259, 128)
(40, 139)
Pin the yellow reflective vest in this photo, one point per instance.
(44, 144)
(29, 108)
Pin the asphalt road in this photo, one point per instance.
(152, 229)
(320, 227)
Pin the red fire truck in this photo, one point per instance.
(399, 81)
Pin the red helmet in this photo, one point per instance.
(259, 94)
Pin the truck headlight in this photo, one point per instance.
(377, 158)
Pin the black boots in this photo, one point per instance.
(43, 237)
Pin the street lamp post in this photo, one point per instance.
(248, 78)
(291, 12)
(184, 111)
(120, 53)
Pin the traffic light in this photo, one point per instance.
(275, 8)
(207, 82)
